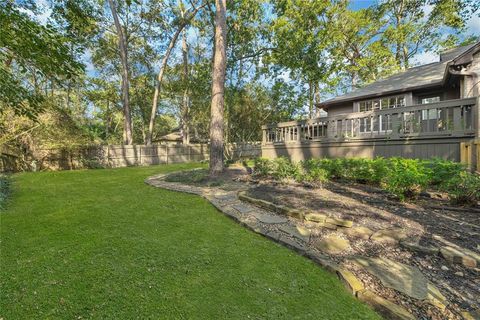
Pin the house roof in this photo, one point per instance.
(428, 75)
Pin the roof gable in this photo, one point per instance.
(428, 75)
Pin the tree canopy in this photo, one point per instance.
(62, 62)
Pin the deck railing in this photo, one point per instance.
(459, 117)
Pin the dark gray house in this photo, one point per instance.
(422, 112)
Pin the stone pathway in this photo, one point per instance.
(295, 230)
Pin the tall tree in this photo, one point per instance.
(301, 38)
(412, 28)
(122, 46)
(358, 46)
(184, 111)
(218, 88)
(181, 25)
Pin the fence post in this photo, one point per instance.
(466, 154)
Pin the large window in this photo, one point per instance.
(383, 103)
(379, 123)
(430, 114)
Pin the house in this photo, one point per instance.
(455, 76)
(425, 111)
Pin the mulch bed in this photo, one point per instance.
(373, 208)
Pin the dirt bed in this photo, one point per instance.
(374, 209)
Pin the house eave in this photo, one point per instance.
(327, 104)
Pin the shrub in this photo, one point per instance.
(379, 171)
(262, 167)
(312, 173)
(463, 188)
(406, 178)
(283, 168)
(443, 170)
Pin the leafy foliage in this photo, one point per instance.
(30, 50)
(404, 178)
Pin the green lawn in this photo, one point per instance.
(102, 244)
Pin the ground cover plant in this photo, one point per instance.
(404, 178)
(102, 244)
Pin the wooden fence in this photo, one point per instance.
(113, 156)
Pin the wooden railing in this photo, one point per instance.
(458, 117)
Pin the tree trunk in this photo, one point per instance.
(316, 98)
(218, 88)
(122, 45)
(158, 85)
(310, 99)
(186, 97)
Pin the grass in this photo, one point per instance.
(100, 244)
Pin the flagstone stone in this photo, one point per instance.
(340, 222)
(315, 217)
(389, 236)
(332, 244)
(242, 208)
(358, 232)
(401, 277)
(298, 232)
(269, 219)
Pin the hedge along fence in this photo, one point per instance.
(112, 156)
(404, 178)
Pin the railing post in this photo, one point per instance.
(299, 133)
(457, 120)
(476, 118)
(264, 136)
(395, 124)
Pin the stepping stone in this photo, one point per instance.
(332, 244)
(384, 307)
(455, 256)
(298, 232)
(389, 236)
(226, 197)
(292, 244)
(359, 232)
(340, 222)
(415, 246)
(404, 278)
(269, 219)
(315, 217)
(350, 281)
(242, 208)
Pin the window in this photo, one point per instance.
(380, 123)
(385, 103)
(430, 114)
(430, 100)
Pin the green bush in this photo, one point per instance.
(463, 188)
(443, 170)
(262, 167)
(4, 190)
(312, 174)
(406, 178)
(283, 168)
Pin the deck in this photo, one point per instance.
(419, 131)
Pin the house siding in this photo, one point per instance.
(340, 109)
